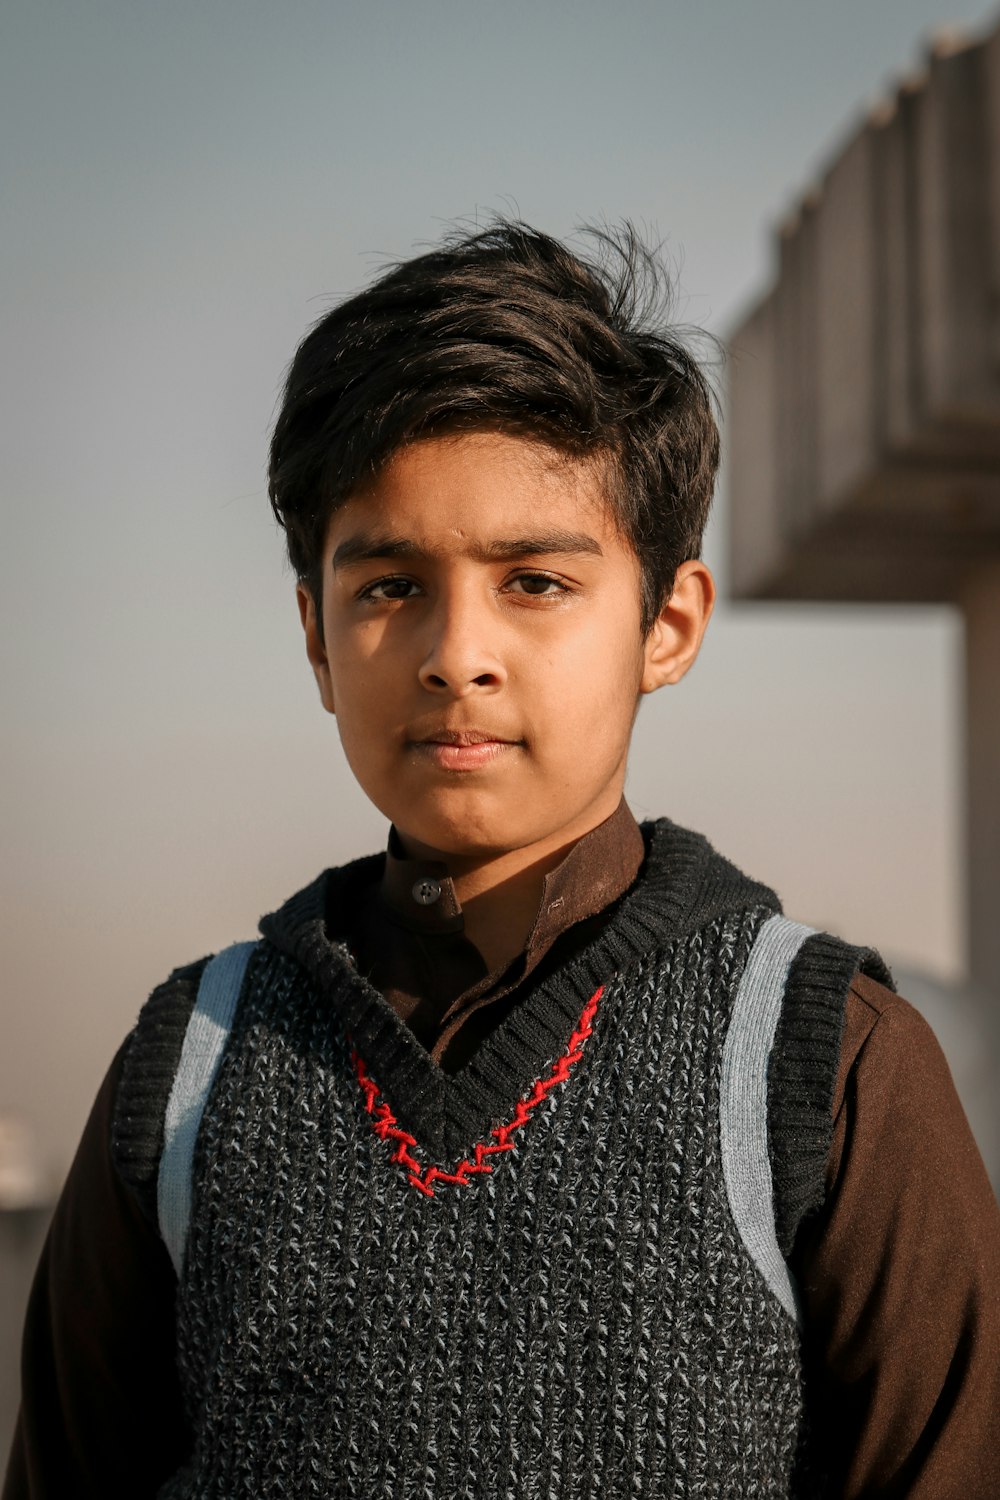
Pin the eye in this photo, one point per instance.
(538, 585)
(383, 590)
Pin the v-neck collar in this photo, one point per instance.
(681, 885)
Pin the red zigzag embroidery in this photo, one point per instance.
(385, 1127)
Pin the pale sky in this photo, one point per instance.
(186, 188)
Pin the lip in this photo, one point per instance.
(463, 737)
(463, 750)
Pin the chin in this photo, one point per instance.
(460, 843)
(469, 832)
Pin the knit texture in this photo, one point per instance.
(148, 1071)
(523, 1279)
(803, 1073)
(204, 1043)
(583, 1319)
(746, 1056)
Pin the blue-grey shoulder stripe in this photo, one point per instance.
(204, 1040)
(746, 1165)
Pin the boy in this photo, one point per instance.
(539, 1155)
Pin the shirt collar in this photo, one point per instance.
(419, 892)
(599, 867)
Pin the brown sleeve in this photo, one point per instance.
(900, 1272)
(100, 1399)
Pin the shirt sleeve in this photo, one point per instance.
(900, 1273)
(101, 1411)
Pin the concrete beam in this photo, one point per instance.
(867, 381)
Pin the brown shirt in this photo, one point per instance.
(899, 1272)
(415, 951)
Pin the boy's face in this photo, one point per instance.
(478, 590)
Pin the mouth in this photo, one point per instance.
(463, 749)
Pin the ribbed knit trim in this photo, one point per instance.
(803, 1073)
(148, 1071)
(204, 1043)
(743, 1121)
(682, 886)
(423, 1178)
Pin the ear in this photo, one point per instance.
(315, 647)
(676, 636)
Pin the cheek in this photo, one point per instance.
(607, 657)
(362, 658)
(365, 704)
(589, 687)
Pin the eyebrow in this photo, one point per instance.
(365, 546)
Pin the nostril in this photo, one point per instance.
(458, 681)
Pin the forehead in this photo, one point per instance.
(443, 491)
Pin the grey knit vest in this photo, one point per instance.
(525, 1280)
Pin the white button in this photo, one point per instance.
(427, 892)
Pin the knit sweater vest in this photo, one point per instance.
(523, 1280)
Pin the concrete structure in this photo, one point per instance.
(864, 407)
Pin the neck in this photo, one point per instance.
(500, 908)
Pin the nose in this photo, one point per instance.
(463, 648)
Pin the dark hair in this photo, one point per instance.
(506, 328)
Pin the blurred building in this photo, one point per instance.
(864, 412)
